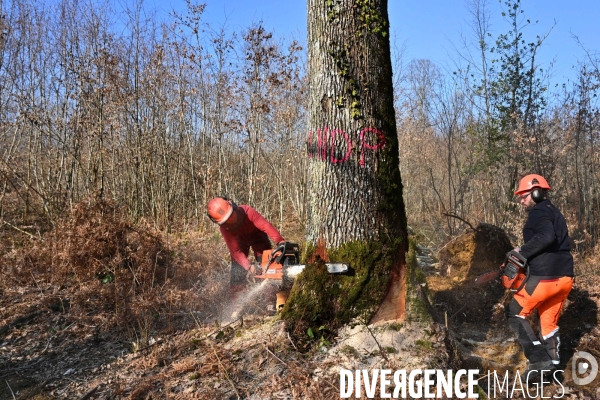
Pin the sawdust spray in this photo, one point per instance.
(236, 309)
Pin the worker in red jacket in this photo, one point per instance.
(242, 227)
(548, 252)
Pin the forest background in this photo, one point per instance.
(161, 113)
(118, 123)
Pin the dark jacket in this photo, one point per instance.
(546, 238)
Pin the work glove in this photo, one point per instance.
(253, 271)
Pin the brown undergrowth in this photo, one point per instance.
(97, 264)
(72, 304)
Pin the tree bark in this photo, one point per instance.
(355, 190)
(355, 209)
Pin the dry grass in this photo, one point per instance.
(97, 273)
(97, 264)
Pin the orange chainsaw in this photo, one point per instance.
(282, 264)
(512, 274)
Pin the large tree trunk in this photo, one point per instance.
(355, 185)
(355, 211)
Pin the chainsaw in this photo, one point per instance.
(282, 264)
(512, 274)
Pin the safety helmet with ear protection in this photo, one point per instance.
(534, 183)
(220, 209)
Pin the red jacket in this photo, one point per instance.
(253, 231)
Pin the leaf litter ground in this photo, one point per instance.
(67, 332)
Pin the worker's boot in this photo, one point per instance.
(536, 369)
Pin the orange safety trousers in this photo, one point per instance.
(548, 297)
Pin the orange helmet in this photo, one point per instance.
(220, 209)
(529, 182)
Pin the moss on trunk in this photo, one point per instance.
(323, 302)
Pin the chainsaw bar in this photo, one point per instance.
(487, 277)
(333, 268)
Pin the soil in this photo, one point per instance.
(48, 350)
(48, 356)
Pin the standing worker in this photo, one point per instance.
(548, 252)
(242, 227)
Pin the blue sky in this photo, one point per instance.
(430, 28)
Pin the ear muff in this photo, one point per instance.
(538, 194)
(227, 199)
